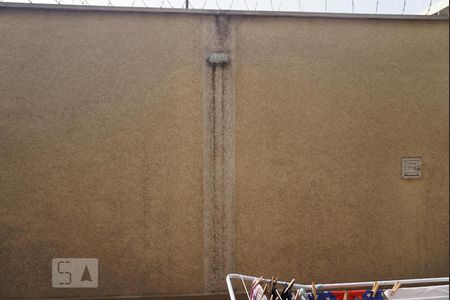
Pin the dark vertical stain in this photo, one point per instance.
(222, 26)
(217, 242)
(214, 139)
(222, 111)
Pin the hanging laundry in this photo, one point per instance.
(265, 289)
(257, 293)
(351, 295)
(439, 292)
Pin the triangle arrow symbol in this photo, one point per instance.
(86, 275)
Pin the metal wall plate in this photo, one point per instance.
(411, 167)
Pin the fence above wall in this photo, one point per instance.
(397, 7)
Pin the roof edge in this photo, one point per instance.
(66, 7)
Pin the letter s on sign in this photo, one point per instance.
(64, 273)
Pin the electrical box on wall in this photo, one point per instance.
(411, 167)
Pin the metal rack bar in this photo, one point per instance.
(330, 286)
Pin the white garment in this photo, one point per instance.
(438, 292)
(257, 293)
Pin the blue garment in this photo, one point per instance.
(367, 295)
(322, 296)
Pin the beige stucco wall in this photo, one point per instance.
(101, 141)
(101, 144)
(325, 109)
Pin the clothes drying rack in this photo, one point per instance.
(332, 286)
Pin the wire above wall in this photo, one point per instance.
(395, 7)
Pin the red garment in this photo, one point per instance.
(352, 295)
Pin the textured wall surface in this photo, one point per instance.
(101, 151)
(325, 109)
(102, 143)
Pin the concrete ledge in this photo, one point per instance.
(216, 12)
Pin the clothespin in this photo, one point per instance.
(271, 286)
(314, 290)
(297, 295)
(395, 288)
(257, 282)
(273, 289)
(375, 288)
(289, 286)
(278, 295)
(345, 296)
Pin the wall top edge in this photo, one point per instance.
(64, 7)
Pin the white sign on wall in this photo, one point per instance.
(75, 273)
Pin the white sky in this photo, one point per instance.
(335, 6)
